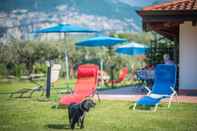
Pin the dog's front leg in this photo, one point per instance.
(72, 125)
(78, 123)
(74, 120)
(70, 114)
(82, 122)
(69, 117)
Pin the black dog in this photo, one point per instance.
(76, 112)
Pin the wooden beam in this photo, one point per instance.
(164, 24)
(168, 15)
(167, 29)
(194, 23)
(169, 18)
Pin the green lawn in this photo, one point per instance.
(31, 114)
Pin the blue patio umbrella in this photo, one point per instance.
(101, 41)
(133, 49)
(65, 28)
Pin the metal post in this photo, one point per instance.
(112, 75)
(112, 66)
(48, 88)
(66, 59)
(67, 66)
(101, 65)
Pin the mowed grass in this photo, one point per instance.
(31, 114)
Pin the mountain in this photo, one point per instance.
(100, 14)
(108, 8)
(142, 3)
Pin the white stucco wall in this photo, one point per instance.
(188, 56)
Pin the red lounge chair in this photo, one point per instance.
(122, 75)
(85, 85)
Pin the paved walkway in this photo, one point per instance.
(134, 93)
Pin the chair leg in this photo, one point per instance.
(177, 98)
(134, 106)
(99, 99)
(31, 93)
(21, 95)
(42, 91)
(156, 106)
(170, 102)
(11, 95)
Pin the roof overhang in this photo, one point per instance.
(166, 22)
(166, 15)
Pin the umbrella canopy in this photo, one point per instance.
(133, 49)
(65, 28)
(101, 41)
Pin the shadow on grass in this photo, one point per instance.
(146, 108)
(5, 93)
(57, 106)
(108, 87)
(43, 100)
(11, 97)
(21, 97)
(140, 107)
(58, 126)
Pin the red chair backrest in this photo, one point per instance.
(86, 79)
(123, 74)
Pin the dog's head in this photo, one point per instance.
(87, 104)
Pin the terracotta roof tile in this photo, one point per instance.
(174, 5)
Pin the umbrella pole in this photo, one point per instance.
(101, 65)
(112, 75)
(67, 66)
(48, 88)
(112, 66)
(66, 59)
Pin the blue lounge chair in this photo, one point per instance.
(163, 87)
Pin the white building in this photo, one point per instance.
(177, 20)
